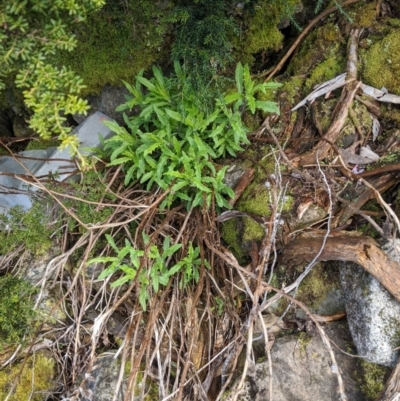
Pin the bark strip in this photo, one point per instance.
(358, 249)
(342, 108)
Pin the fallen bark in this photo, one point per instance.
(333, 132)
(391, 391)
(243, 183)
(342, 109)
(348, 248)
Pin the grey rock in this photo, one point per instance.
(233, 175)
(373, 315)
(21, 128)
(313, 214)
(302, 371)
(41, 164)
(106, 102)
(333, 303)
(100, 383)
(5, 127)
(18, 192)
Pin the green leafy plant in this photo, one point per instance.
(149, 267)
(172, 143)
(189, 265)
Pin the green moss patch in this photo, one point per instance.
(373, 379)
(16, 310)
(230, 234)
(115, 43)
(315, 288)
(381, 63)
(323, 54)
(36, 380)
(260, 28)
(30, 228)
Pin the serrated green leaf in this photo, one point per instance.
(174, 115)
(149, 85)
(122, 280)
(233, 97)
(239, 77)
(251, 101)
(269, 107)
(171, 250)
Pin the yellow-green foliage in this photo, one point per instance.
(359, 120)
(373, 379)
(381, 63)
(291, 89)
(327, 69)
(323, 110)
(256, 199)
(36, 379)
(391, 114)
(323, 53)
(316, 286)
(16, 309)
(117, 42)
(360, 116)
(260, 28)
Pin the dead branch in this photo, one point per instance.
(342, 108)
(380, 185)
(358, 249)
(323, 89)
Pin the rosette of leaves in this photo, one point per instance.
(172, 143)
(149, 267)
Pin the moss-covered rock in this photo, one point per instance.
(230, 233)
(321, 291)
(29, 228)
(115, 43)
(372, 379)
(257, 202)
(322, 56)
(16, 310)
(381, 63)
(35, 381)
(260, 28)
